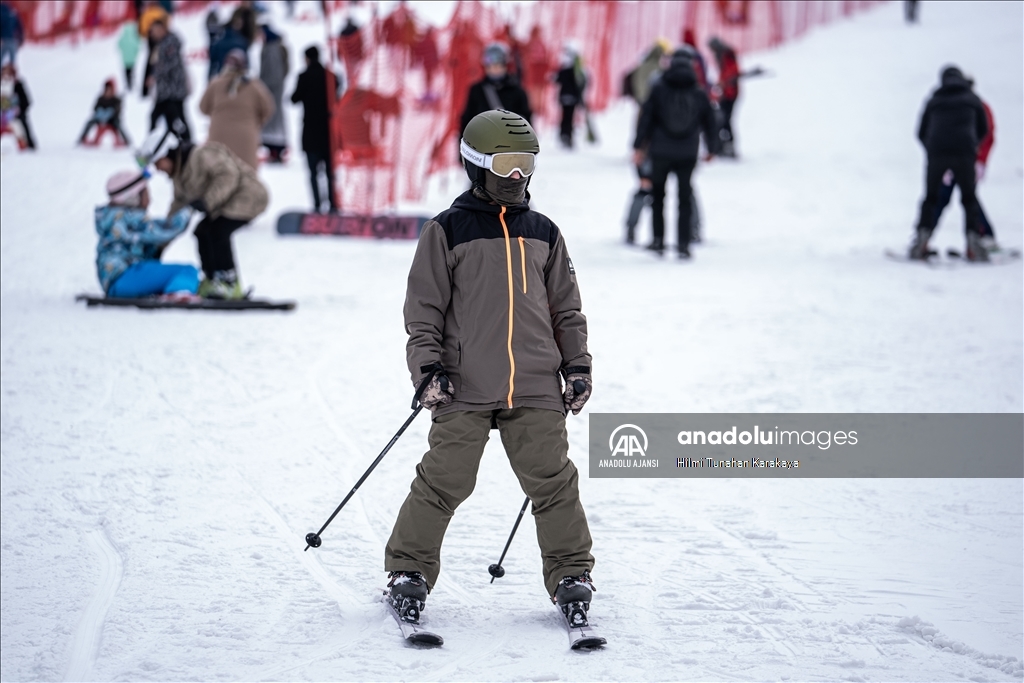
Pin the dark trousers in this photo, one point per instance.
(568, 116)
(726, 107)
(660, 168)
(213, 236)
(963, 176)
(29, 140)
(946, 194)
(173, 112)
(129, 70)
(315, 161)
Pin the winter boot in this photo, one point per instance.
(573, 597)
(919, 248)
(223, 285)
(407, 592)
(657, 246)
(684, 252)
(976, 250)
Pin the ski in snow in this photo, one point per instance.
(581, 637)
(410, 631)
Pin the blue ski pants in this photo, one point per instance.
(147, 278)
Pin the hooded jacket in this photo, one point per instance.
(127, 236)
(674, 115)
(492, 295)
(227, 185)
(954, 121)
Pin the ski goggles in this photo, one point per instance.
(502, 164)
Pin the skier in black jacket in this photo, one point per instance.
(952, 126)
(671, 121)
(497, 90)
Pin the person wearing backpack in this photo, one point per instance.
(668, 132)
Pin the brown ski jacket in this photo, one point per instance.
(492, 296)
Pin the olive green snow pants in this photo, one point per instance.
(536, 443)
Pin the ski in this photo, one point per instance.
(152, 302)
(410, 631)
(581, 636)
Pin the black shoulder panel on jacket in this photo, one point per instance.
(461, 226)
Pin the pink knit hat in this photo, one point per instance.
(124, 187)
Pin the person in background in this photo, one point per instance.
(700, 68)
(128, 45)
(169, 79)
(952, 127)
(637, 84)
(106, 112)
(14, 104)
(232, 37)
(311, 93)
(726, 91)
(238, 107)
(216, 183)
(130, 243)
(668, 133)
(148, 12)
(274, 68)
(572, 82)
(497, 90)
(12, 33)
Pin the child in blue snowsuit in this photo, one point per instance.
(128, 253)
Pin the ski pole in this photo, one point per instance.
(496, 570)
(313, 539)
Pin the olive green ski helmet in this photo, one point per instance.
(494, 132)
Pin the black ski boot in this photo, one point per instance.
(407, 592)
(573, 597)
(657, 246)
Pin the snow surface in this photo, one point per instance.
(159, 470)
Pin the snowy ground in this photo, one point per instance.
(159, 470)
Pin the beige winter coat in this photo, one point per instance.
(237, 119)
(226, 184)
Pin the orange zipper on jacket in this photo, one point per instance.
(511, 305)
(522, 256)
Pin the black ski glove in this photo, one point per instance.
(199, 205)
(577, 388)
(434, 389)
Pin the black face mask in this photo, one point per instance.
(505, 191)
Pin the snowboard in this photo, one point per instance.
(152, 302)
(381, 227)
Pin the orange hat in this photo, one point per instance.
(151, 14)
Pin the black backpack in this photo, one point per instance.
(679, 113)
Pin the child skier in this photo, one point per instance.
(494, 317)
(106, 112)
(128, 254)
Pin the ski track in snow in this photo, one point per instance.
(160, 470)
(87, 638)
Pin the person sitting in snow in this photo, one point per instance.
(14, 104)
(106, 112)
(213, 180)
(128, 253)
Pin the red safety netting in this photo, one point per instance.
(398, 120)
(44, 21)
